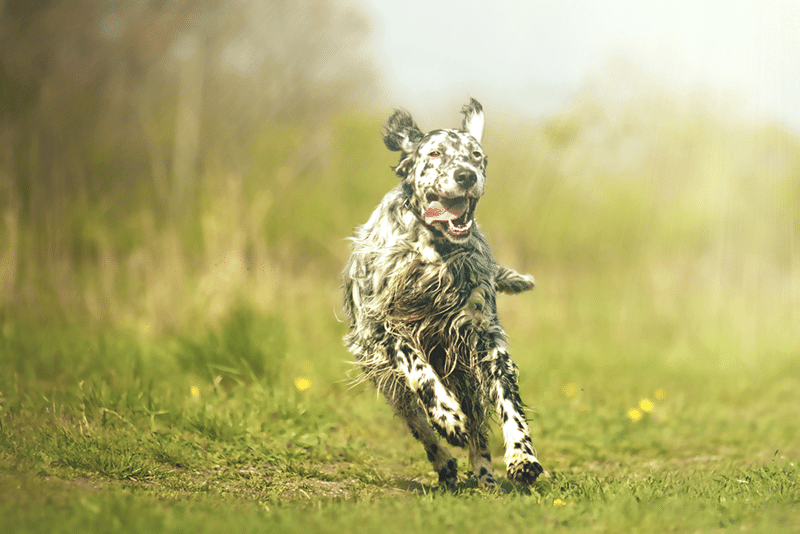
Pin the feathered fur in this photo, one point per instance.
(420, 292)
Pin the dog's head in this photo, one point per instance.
(444, 170)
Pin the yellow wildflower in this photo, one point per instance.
(634, 415)
(647, 405)
(195, 392)
(559, 502)
(570, 390)
(302, 383)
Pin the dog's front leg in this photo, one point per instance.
(443, 409)
(500, 375)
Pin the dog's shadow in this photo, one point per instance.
(470, 485)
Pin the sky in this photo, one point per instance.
(532, 58)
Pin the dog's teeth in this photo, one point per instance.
(459, 230)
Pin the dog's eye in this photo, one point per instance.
(434, 154)
(477, 155)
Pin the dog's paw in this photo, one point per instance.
(448, 475)
(486, 479)
(444, 411)
(451, 430)
(449, 423)
(524, 470)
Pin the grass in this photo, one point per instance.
(141, 440)
(190, 376)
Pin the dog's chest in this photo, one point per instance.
(445, 291)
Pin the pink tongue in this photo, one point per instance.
(446, 209)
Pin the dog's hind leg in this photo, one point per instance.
(406, 406)
(481, 459)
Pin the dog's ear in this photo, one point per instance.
(404, 167)
(473, 119)
(402, 133)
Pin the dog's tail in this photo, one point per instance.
(510, 281)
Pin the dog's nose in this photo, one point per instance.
(466, 177)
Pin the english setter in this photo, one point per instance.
(420, 290)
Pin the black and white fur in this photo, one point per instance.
(421, 302)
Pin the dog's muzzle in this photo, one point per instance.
(454, 215)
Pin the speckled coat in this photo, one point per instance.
(420, 296)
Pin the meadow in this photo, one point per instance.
(184, 371)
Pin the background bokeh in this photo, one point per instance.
(172, 166)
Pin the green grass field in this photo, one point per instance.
(190, 377)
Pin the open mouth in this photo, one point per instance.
(453, 216)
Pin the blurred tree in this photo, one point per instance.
(97, 95)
